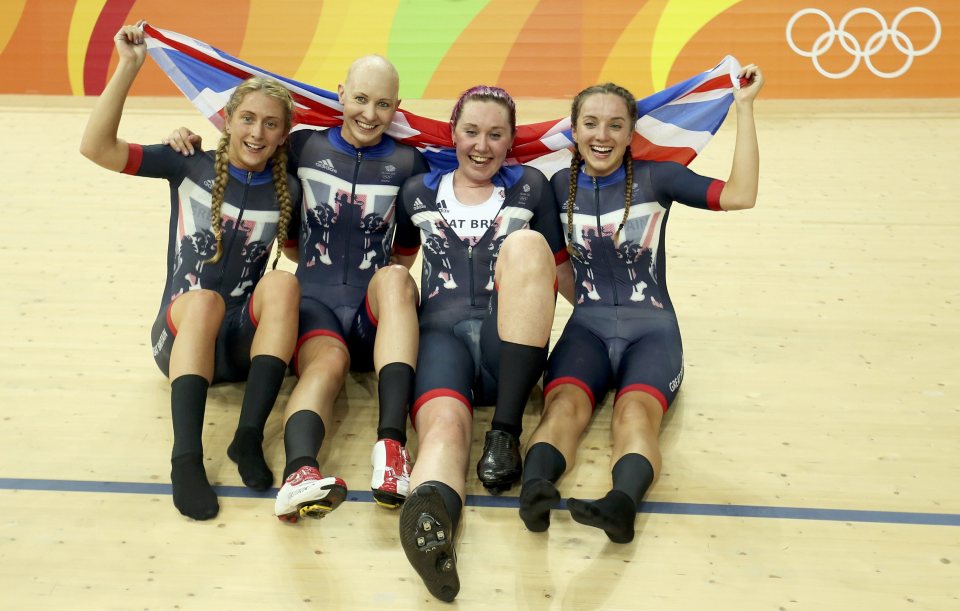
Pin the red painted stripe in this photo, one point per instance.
(646, 389)
(436, 394)
(134, 159)
(96, 62)
(575, 382)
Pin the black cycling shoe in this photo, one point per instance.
(427, 539)
(500, 465)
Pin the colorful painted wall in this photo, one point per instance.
(534, 48)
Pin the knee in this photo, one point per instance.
(565, 408)
(279, 287)
(526, 252)
(449, 426)
(640, 412)
(329, 360)
(395, 285)
(203, 306)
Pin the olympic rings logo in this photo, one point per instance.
(874, 44)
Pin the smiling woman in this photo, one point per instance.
(220, 318)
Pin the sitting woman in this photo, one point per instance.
(492, 242)
(623, 333)
(220, 318)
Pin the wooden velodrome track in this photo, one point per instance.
(811, 462)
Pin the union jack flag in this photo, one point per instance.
(674, 125)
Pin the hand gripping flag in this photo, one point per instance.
(674, 124)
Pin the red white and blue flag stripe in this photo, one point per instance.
(674, 125)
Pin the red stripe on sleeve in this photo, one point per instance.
(134, 159)
(713, 195)
(561, 256)
(406, 251)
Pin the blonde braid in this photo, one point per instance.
(283, 198)
(628, 160)
(222, 173)
(571, 199)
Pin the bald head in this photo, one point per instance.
(370, 99)
(373, 71)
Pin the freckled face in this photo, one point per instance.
(602, 132)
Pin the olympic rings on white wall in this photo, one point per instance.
(874, 44)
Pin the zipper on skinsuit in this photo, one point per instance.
(613, 271)
(233, 238)
(349, 228)
(473, 301)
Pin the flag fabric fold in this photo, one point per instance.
(674, 124)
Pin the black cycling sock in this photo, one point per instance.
(192, 493)
(617, 511)
(188, 398)
(633, 475)
(520, 368)
(614, 514)
(246, 450)
(451, 502)
(395, 390)
(263, 386)
(544, 466)
(302, 437)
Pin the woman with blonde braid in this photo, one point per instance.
(623, 333)
(220, 319)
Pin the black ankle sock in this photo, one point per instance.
(633, 475)
(543, 461)
(192, 493)
(302, 437)
(263, 385)
(188, 398)
(537, 498)
(246, 450)
(544, 466)
(520, 368)
(614, 514)
(451, 502)
(395, 390)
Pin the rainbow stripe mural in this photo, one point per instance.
(534, 48)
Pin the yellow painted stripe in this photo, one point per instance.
(346, 31)
(680, 21)
(629, 62)
(10, 13)
(85, 15)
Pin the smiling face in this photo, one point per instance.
(482, 137)
(369, 98)
(256, 127)
(603, 129)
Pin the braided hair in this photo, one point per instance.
(575, 107)
(273, 89)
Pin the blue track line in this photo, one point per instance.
(510, 502)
